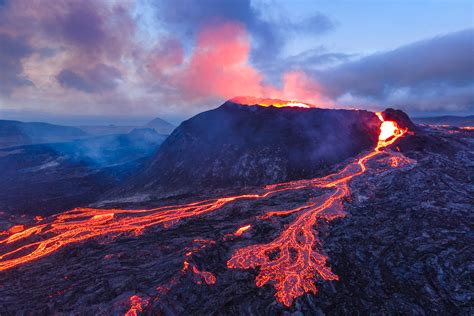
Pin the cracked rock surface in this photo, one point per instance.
(404, 247)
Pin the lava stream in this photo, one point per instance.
(292, 261)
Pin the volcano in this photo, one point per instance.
(242, 144)
(371, 234)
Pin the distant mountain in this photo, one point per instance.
(446, 120)
(237, 146)
(101, 130)
(47, 178)
(161, 126)
(158, 124)
(14, 133)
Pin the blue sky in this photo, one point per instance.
(77, 62)
(369, 26)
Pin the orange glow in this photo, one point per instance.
(268, 102)
(393, 161)
(379, 115)
(467, 128)
(16, 229)
(137, 304)
(388, 129)
(292, 262)
(208, 277)
(241, 230)
(185, 266)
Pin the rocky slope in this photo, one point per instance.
(237, 145)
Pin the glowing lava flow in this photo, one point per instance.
(137, 305)
(241, 230)
(85, 223)
(292, 261)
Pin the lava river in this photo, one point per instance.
(292, 262)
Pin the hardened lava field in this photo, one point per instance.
(285, 242)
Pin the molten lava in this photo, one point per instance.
(388, 129)
(241, 230)
(266, 102)
(137, 304)
(208, 277)
(292, 262)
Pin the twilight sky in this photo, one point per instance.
(117, 61)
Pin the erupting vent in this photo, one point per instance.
(269, 102)
(292, 262)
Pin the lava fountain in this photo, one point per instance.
(292, 262)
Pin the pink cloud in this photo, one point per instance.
(219, 67)
(166, 58)
(298, 86)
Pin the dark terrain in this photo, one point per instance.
(446, 120)
(15, 133)
(244, 146)
(404, 247)
(44, 179)
(159, 125)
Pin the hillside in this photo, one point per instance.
(14, 133)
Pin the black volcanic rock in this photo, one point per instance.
(400, 117)
(236, 145)
(404, 248)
